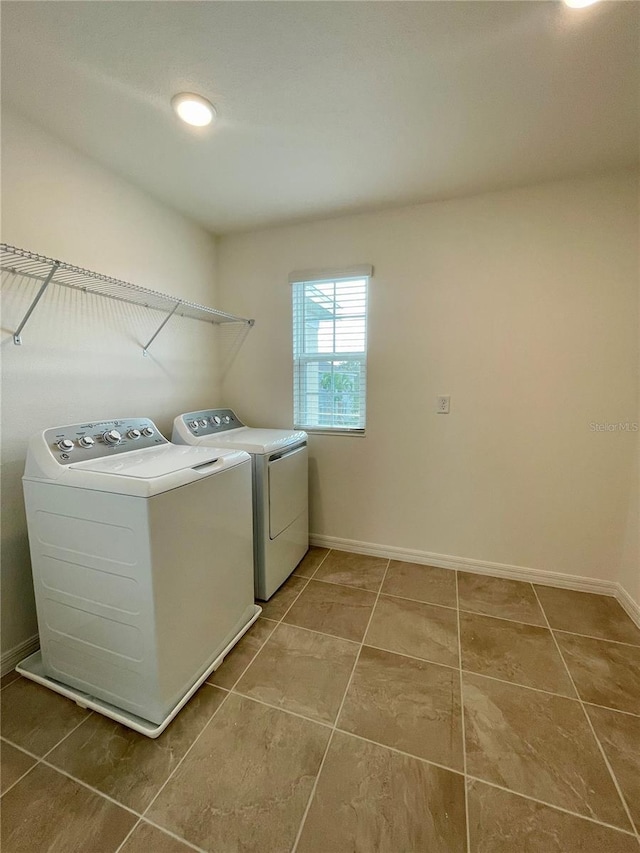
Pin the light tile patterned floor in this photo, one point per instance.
(376, 707)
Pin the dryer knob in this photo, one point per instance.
(217, 420)
(133, 433)
(147, 431)
(65, 445)
(203, 422)
(227, 419)
(86, 441)
(193, 424)
(112, 437)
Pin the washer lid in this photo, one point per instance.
(153, 462)
(254, 440)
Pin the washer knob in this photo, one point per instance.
(86, 441)
(112, 436)
(193, 424)
(216, 420)
(147, 431)
(66, 445)
(134, 434)
(227, 419)
(203, 422)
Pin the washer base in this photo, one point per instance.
(31, 667)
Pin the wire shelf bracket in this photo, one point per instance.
(160, 328)
(49, 271)
(17, 336)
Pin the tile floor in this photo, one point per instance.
(375, 707)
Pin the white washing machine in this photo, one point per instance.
(280, 487)
(141, 590)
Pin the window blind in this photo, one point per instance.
(330, 352)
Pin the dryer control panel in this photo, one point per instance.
(81, 442)
(211, 421)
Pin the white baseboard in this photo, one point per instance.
(483, 567)
(631, 607)
(13, 656)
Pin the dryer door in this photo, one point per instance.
(288, 488)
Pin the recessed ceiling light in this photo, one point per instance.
(579, 4)
(193, 109)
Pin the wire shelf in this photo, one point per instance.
(48, 271)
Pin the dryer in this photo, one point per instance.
(140, 588)
(280, 487)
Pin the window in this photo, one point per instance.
(330, 350)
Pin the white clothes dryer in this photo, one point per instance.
(280, 487)
(140, 588)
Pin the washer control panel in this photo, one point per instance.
(211, 421)
(80, 442)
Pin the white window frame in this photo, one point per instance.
(305, 277)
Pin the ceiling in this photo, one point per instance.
(329, 107)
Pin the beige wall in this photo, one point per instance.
(523, 306)
(81, 357)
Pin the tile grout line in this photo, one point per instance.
(26, 772)
(591, 637)
(179, 764)
(127, 836)
(285, 710)
(591, 726)
(491, 677)
(464, 734)
(90, 788)
(315, 631)
(418, 600)
(9, 683)
(142, 821)
(335, 723)
(501, 618)
(548, 627)
(68, 734)
(235, 683)
(397, 751)
(304, 586)
(606, 708)
(315, 571)
(171, 834)
(21, 748)
(552, 806)
(102, 795)
(40, 758)
(523, 686)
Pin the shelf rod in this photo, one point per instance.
(161, 327)
(17, 337)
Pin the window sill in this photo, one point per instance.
(354, 433)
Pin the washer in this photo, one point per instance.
(140, 589)
(280, 488)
